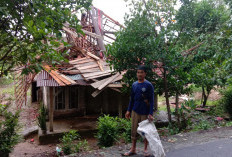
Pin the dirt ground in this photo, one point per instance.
(26, 148)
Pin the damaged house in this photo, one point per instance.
(86, 85)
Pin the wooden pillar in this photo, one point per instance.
(155, 102)
(51, 109)
(120, 106)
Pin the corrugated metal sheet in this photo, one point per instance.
(44, 79)
(47, 83)
(75, 77)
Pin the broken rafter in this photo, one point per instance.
(187, 52)
(97, 76)
(100, 65)
(114, 21)
(108, 81)
(74, 34)
(93, 56)
(118, 90)
(96, 73)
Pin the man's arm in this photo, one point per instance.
(131, 103)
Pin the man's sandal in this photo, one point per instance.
(146, 154)
(129, 154)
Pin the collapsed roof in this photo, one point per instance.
(87, 62)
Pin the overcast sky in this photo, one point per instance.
(114, 8)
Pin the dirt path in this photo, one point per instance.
(31, 149)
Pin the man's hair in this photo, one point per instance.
(142, 67)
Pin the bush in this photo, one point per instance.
(8, 131)
(107, 130)
(173, 129)
(217, 110)
(71, 143)
(42, 117)
(81, 146)
(67, 141)
(203, 125)
(227, 100)
(110, 129)
(124, 127)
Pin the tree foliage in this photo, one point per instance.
(189, 43)
(30, 30)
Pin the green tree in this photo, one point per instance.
(31, 30)
(207, 24)
(173, 41)
(151, 38)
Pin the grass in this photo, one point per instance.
(209, 102)
(6, 80)
(8, 90)
(196, 89)
(161, 98)
(164, 108)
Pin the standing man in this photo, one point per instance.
(140, 107)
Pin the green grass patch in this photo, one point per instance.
(161, 98)
(164, 108)
(196, 89)
(6, 80)
(8, 90)
(209, 102)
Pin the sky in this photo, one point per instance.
(116, 9)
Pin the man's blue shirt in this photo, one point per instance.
(140, 92)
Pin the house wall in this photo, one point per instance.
(46, 96)
(107, 102)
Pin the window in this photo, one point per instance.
(59, 98)
(73, 97)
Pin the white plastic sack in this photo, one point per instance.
(149, 130)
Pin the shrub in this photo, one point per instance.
(217, 110)
(227, 100)
(42, 118)
(81, 146)
(8, 131)
(124, 127)
(203, 125)
(71, 143)
(67, 141)
(173, 129)
(107, 130)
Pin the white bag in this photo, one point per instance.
(149, 130)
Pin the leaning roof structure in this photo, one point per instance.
(87, 63)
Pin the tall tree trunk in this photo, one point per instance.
(205, 96)
(166, 96)
(177, 108)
